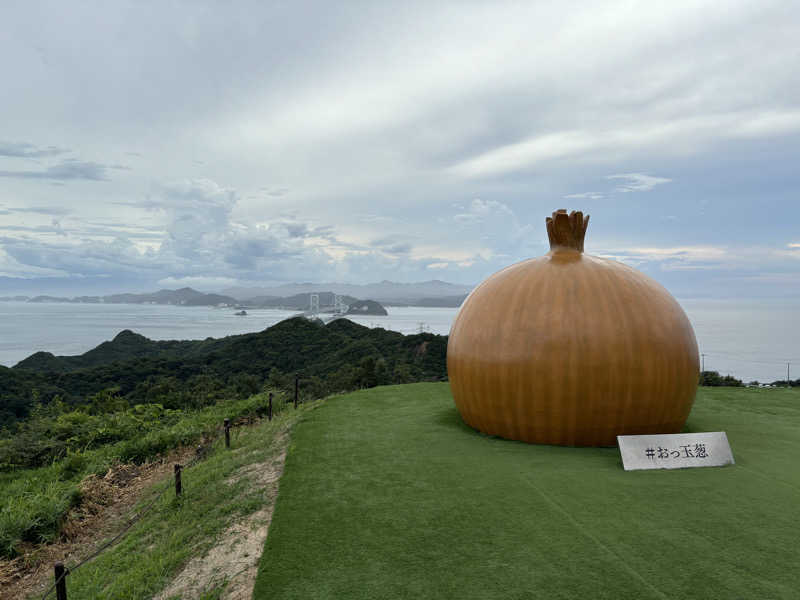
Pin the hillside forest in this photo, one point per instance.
(132, 371)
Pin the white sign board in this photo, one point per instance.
(675, 450)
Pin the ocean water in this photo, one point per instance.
(748, 339)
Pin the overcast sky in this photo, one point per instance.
(156, 144)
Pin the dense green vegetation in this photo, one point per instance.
(387, 494)
(218, 491)
(131, 399)
(714, 379)
(35, 501)
(336, 357)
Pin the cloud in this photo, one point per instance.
(26, 150)
(793, 251)
(203, 242)
(67, 170)
(297, 229)
(673, 258)
(9, 267)
(390, 118)
(586, 196)
(757, 258)
(275, 192)
(768, 124)
(632, 182)
(54, 227)
(526, 154)
(599, 143)
(392, 245)
(81, 258)
(480, 210)
(377, 219)
(197, 282)
(637, 182)
(683, 253)
(41, 210)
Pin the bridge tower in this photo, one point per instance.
(339, 307)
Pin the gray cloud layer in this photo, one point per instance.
(25, 150)
(66, 170)
(403, 143)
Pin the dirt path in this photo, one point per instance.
(104, 509)
(235, 557)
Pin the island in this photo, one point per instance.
(366, 307)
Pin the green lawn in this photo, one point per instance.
(387, 494)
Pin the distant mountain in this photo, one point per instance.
(293, 296)
(126, 345)
(385, 292)
(184, 296)
(49, 299)
(441, 302)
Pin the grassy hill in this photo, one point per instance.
(386, 494)
(223, 502)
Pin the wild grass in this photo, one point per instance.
(387, 494)
(177, 529)
(34, 502)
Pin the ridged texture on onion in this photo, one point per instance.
(572, 349)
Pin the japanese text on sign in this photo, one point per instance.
(684, 451)
(675, 451)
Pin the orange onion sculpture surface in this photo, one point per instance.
(572, 349)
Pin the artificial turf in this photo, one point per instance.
(387, 494)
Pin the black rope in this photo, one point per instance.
(131, 523)
(109, 543)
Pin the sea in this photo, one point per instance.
(750, 339)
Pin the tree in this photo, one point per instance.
(714, 379)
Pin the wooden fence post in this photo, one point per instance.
(61, 581)
(178, 486)
(296, 384)
(269, 408)
(227, 424)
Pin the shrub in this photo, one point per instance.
(35, 501)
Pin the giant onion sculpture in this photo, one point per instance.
(572, 349)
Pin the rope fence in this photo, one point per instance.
(61, 571)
